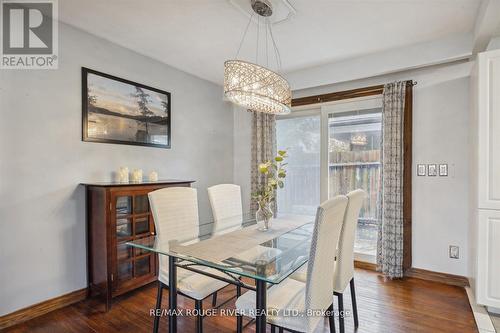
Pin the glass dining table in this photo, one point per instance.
(240, 249)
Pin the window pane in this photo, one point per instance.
(354, 162)
(301, 137)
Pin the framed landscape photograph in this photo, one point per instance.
(120, 111)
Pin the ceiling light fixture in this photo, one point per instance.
(253, 86)
(359, 139)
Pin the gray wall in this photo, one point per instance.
(42, 160)
(440, 135)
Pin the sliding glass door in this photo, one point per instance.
(333, 150)
(354, 141)
(300, 135)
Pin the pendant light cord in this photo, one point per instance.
(268, 29)
(244, 35)
(267, 53)
(276, 51)
(257, 48)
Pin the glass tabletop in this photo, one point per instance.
(240, 247)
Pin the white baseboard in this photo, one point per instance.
(483, 321)
(493, 310)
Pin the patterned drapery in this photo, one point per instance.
(390, 235)
(263, 148)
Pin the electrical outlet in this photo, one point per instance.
(454, 252)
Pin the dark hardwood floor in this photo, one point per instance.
(409, 305)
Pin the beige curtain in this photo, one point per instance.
(263, 148)
(390, 236)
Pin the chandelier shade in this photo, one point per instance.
(256, 88)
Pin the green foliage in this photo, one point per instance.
(275, 173)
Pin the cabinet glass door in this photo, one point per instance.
(123, 228)
(142, 226)
(141, 204)
(125, 270)
(123, 205)
(143, 266)
(133, 221)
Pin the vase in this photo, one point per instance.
(264, 215)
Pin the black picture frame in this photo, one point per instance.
(85, 111)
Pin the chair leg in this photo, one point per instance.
(214, 299)
(331, 319)
(199, 317)
(354, 305)
(281, 330)
(239, 323)
(340, 298)
(273, 328)
(159, 294)
(239, 318)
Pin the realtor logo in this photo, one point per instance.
(29, 34)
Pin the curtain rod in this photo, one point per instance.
(347, 94)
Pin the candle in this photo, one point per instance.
(137, 175)
(153, 176)
(122, 175)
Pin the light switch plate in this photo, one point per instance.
(454, 252)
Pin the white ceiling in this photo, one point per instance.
(198, 35)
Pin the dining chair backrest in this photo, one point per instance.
(175, 212)
(344, 267)
(225, 200)
(175, 215)
(320, 267)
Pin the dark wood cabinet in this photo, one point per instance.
(118, 213)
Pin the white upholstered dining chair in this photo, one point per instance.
(344, 262)
(293, 296)
(175, 214)
(225, 200)
(227, 211)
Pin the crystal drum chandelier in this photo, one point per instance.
(359, 139)
(254, 86)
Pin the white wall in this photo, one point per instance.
(444, 50)
(42, 160)
(494, 44)
(440, 135)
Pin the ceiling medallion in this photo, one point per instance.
(253, 86)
